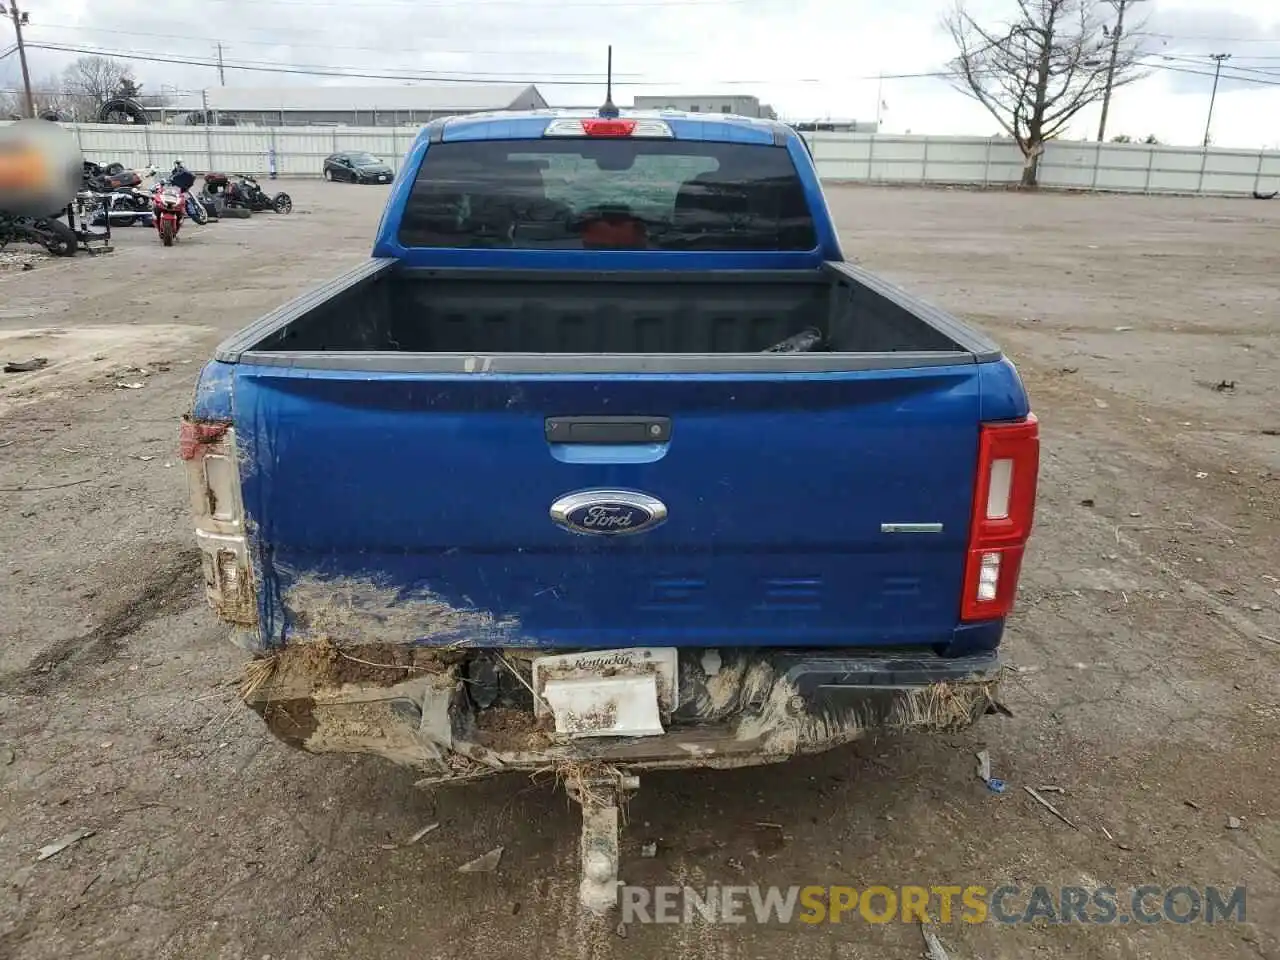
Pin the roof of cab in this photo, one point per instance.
(530, 125)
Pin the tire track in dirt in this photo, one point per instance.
(161, 581)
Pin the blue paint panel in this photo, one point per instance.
(776, 488)
(212, 399)
(975, 638)
(1003, 396)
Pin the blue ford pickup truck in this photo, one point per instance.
(605, 461)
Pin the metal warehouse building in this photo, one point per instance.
(736, 104)
(344, 106)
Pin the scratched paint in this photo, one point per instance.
(356, 610)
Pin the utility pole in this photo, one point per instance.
(1218, 59)
(20, 20)
(1116, 34)
(222, 73)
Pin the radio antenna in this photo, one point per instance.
(609, 111)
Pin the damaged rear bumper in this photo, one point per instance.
(418, 707)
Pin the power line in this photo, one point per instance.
(282, 42)
(1210, 73)
(402, 74)
(472, 4)
(463, 77)
(59, 92)
(1174, 36)
(946, 75)
(246, 64)
(319, 70)
(1208, 59)
(1209, 56)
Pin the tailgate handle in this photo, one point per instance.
(608, 430)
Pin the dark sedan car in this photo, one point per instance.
(357, 167)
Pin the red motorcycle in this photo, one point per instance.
(169, 202)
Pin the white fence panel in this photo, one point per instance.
(861, 157)
(1073, 166)
(1269, 173)
(957, 161)
(841, 158)
(1122, 167)
(1125, 167)
(906, 159)
(898, 159)
(129, 145)
(234, 150)
(300, 151)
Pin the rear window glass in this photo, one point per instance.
(580, 194)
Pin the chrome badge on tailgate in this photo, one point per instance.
(608, 513)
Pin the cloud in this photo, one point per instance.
(1184, 38)
(809, 58)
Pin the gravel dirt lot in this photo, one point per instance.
(1145, 645)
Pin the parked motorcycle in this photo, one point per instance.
(170, 203)
(49, 232)
(113, 176)
(122, 208)
(196, 210)
(245, 192)
(126, 204)
(259, 200)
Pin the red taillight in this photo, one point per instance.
(608, 128)
(193, 434)
(1004, 505)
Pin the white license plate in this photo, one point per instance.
(608, 693)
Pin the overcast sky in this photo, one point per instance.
(809, 58)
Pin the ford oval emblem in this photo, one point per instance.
(608, 513)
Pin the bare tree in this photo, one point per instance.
(50, 99)
(52, 102)
(1035, 73)
(95, 80)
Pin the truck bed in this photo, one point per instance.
(401, 437)
(379, 309)
(489, 436)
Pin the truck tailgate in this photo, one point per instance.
(814, 509)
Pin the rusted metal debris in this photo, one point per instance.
(26, 366)
(420, 834)
(934, 948)
(55, 848)
(1051, 808)
(484, 864)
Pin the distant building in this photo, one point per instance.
(837, 126)
(343, 106)
(737, 104)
